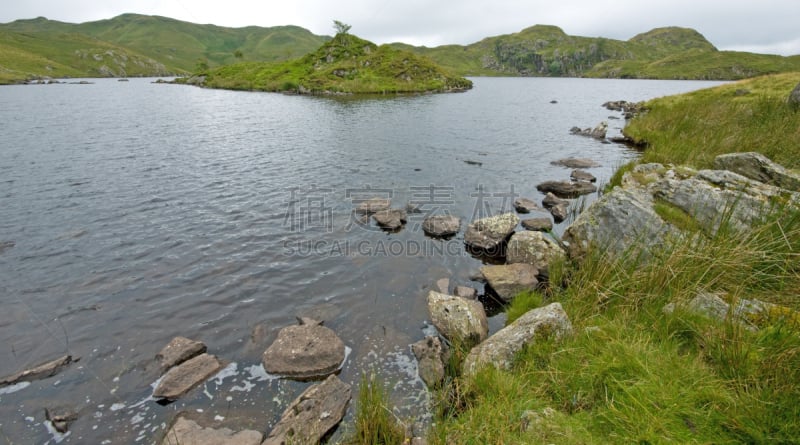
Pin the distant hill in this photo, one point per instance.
(139, 45)
(344, 64)
(662, 53)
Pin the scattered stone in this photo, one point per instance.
(304, 351)
(178, 350)
(566, 189)
(576, 163)
(441, 225)
(489, 233)
(411, 207)
(466, 161)
(182, 378)
(470, 293)
(312, 414)
(550, 200)
(525, 205)
(443, 284)
(553, 101)
(390, 219)
(184, 431)
(534, 248)
(60, 421)
(373, 205)
(559, 212)
(458, 319)
(759, 168)
(431, 357)
(582, 175)
(5, 245)
(38, 372)
(598, 132)
(540, 224)
(499, 350)
(509, 280)
(794, 98)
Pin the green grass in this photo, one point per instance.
(632, 373)
(375, 423)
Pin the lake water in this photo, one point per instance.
(134, 212)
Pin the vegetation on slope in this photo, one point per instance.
(633, 374)
(345, 64)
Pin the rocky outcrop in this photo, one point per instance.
(489, 233)
(794, 98)
(38, 372)
(431, 357)
(178, 350)
(509, 280)
(576, 163)
(582, 175)
(539, 224)
(441, 225)
(312, 414)
(373, 205)
(525, 205)
(566, 189)
(458, 319)
(184, 431)
(759, 168)
(499, 350)
(534, 248)
(182, 378)
(390, 219)
(598, 132)
(305, 351)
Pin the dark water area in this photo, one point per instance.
(132, 212)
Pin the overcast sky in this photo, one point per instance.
(764, 26)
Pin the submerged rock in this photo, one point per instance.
(499, 350)
(534, 248)
(304, 351)
(430, 354)
(312, 414)
(566, 189)
(509, 280)
(458, 319)
(489, 233)
(539, 224)
(184, 431)
(576, 163)
(182, 378)
(391, 219)
(373, 205)
(178, 350)
(441, 225)
(38, 372)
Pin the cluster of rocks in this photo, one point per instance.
(598, 132)
(628, 109)
(557, 192)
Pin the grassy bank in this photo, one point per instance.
(633, 374)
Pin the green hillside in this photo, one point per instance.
(663, 53)
(345, 64)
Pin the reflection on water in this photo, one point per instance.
(135, 212)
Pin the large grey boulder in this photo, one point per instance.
(312, 414)
(794, 98)
(184, 431)
(617, 222)
(441, 225)
(458, 319)
(499, 350)
(510, 279)
(430, 354)
(182, 378)
(178, 350)
(758, 167)
(489, 233)
(534, 248)
(305, 351)
(566, 189)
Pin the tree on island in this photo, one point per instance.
(341, 28)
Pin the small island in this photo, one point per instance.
(346, 64)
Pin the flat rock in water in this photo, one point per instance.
(509, 280)
(576, 163)
(304, 352)
(312, 414)
(582, 175)
(525, 205)
(38, 372)
(391, 219)
(182, 378)
(178, 350)
(566, 189)
(185, 431)
(373, 205)
(441, 225)
(458, 319)
(489, 233)
(499, 350)
(540, 224)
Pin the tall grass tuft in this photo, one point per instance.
(375, 422)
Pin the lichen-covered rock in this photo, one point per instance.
(458, 319)
(185, 431)
(534, 248)
(441, 225)
(312, 414)
(509, 280)
(304, 351)
(182, 378)
(499, 350)
(489, 233)
(759, 168)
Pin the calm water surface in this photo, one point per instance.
(133, 212)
